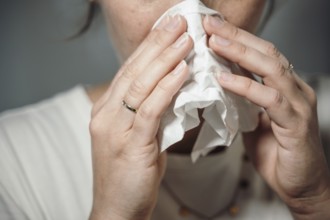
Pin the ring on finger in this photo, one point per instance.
(129, 107)
(290, 67)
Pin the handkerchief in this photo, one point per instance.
(224, 113)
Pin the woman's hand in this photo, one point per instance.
(285, 148)
(127, 167)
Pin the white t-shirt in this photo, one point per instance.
(45, 159)
(46, 171)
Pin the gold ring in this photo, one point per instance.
(128, 107)
(290, 68)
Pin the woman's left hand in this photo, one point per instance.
(286, 148)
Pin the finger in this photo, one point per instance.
(154, 46)
(260, 149)
(142, 86)
(152, 35)
(175, 27)
(148, 117)
(159, 39)
(272, 71)
(277, 106)
(214, 25)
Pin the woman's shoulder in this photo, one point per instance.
(64, 104)
(45, 146)
(40, 129)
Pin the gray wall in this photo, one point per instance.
(301, 30)
(37, 61)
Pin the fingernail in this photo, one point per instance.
(215, 21)
(179, 69)
(163, 22)
(220, 41)
(224, 76)
(173, 23)
(181, 41)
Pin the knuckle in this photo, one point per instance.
(147, 112)
(129, 72)
(96, 128)
(160, 39)
(278, 69)
(272, 50)
(234, 32)
(276, 99)
(242, 50)
(163, 86)
(166, 91)
(104, 132)
(247, 85)
(311, 96)
(137, 89)
(306, 110)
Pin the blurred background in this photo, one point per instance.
(37, 60)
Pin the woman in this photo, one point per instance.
(128, 170)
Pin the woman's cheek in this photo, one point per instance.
(128, 33)
(244, 14)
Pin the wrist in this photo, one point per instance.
(100, 211)
(101, 216)
(316, 207)
(114, 216)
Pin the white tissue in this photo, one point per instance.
(225, 114)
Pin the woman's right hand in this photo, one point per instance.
(127, 165)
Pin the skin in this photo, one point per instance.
(126, 162)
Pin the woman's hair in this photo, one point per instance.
(270, 5)
(91, 13)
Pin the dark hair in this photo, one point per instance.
(92, 11)
(268, 13)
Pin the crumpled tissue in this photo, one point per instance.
(224, 114)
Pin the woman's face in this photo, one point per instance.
(129, 21)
